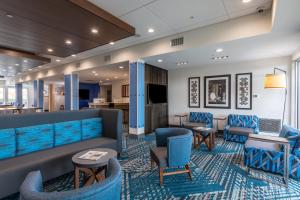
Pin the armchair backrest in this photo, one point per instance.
(179, 149)
(162, 135)
(202, 117)
(110, 188)
(293, 135)
(246, 121)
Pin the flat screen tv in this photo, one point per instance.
(84, 94)
(157, 93)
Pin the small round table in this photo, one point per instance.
(207, 136)
(91, 169)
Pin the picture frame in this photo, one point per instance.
(243, 91)
(217, 91)
(194, 92)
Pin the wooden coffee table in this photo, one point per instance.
(206, 135)
(93, 170)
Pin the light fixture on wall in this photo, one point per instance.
(277, 81)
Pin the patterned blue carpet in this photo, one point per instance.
(216, 175)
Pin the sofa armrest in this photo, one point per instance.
(32, 184)
(112, 125)
(226, 127)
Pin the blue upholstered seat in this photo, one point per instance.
(109, 189)
(269, 157)
(239, 127)
(173, 150)
(203, 119)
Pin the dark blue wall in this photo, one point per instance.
(94, 91)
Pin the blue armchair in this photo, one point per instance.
(110, 188)
(203, 119)
(239, 127)
(269, 157)
(173, 151)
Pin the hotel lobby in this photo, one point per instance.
(149, 99)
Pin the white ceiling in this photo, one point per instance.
(260, 47)
(169, 17)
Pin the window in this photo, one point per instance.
(1, 95)
(25, 96)
(298, 92)
(11, 95)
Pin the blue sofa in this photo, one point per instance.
(173, 150)
(203, 119)
(239, 127)
(110, 188)
(270, 157)
(47, 142)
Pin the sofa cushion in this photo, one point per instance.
(91, 128)
(240, 131)
(269, 146)
(7, 143)
(193, 124)
(247, 121)
(34, 138)
(67, 132)
(159, 155)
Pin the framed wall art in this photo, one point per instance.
(243, 91)
(194, 92)
(217, 91)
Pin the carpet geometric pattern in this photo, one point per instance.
(216, 175)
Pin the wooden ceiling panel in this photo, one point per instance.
(35, 25)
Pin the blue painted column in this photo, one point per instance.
(38, 93)
(71, 92)
(19, 99)
(137, 97)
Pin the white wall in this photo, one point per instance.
(117, 90)
(269, 104)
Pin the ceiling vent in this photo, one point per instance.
(107, 58)
(177, 42)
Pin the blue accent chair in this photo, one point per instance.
(270, 157)
(110, 188)
(173, 151)
(239, 127)
(203, 119)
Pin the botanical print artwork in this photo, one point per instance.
(194, 92)
(217, 91)
(244, 91)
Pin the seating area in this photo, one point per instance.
(149, 99)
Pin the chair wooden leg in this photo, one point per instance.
(152, 163)
(161, 176)
(187, 167)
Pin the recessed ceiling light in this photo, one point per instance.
(73, 55)
(111, 43)
(94, 72)
(19, 73)
(150, 30)
(9, 67)
(100, 81)
(9, 15)
(25, 61)
(220, 57)
(246, 1)
(17, 64)
(94, 30)
(107, 79)
(116, 77)
(219, 50)
(182, 63)
(121, 67)
(29, 69)
(57, 60)
(159, 60)
(50, 50)
(68, 42)
(40, 66)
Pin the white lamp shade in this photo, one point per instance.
(275, 81)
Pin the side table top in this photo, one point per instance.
(94, 163)
(203, 129)
(220, 117)
(267, 138)
(181, 115)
